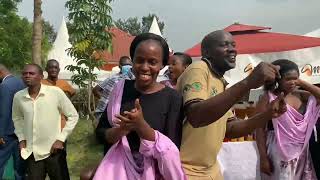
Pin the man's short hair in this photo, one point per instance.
(209, 40)
(39, 68)
(123, 59)
(52, 60)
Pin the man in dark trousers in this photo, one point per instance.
(8, 140)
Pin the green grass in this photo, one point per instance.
(82, 148)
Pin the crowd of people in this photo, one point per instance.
(171, 129)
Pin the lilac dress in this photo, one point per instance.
(287, 144)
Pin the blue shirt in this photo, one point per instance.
(9, 86)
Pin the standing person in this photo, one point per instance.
(207, 104)
(9, 144)
(141, 127)
(179, 62)
(103, 90)
(36, 114)
(284, 148)
(53, 70)
(125, 65)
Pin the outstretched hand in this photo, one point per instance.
(278, 106)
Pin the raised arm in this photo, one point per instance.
(312, 89)
(203, 111)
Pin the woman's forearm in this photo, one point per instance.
(261, 140)
(314, 90)
(113, 135)
(146, 132)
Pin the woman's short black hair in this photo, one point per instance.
(186, 59)
(150, 36)
(285, 67)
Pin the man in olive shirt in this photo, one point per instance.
(207, 105)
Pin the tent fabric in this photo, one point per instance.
(241, 28)
(252, 41)
(59, 53)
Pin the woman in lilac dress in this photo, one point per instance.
(141, 127)
(283, 144)
(179, 62)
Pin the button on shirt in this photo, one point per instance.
(38, 121)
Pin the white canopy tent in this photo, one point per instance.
(154, 28)
(59, 53)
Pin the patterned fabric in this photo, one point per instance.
(168, 83)
(299, 168)
(107, 86)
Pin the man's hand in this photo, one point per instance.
(22, 144)
(2, 141)
(266, 166)
(57, 145)
(278, 106)
(262, 74)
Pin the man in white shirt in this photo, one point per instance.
(36, 113)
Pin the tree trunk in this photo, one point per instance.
(37, 32)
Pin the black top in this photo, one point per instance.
(162, 110)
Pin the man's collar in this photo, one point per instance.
(42, 91)
(215, 72)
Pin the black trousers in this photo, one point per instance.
(55, 166)
(314, 150)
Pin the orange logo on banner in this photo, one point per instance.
(307, 69)
(248, 69)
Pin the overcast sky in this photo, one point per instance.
(187, 21)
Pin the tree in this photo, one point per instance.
(48, 31)
(90, 21)
(16, 37)
(133, 26)
(37, 32)
(130, 25)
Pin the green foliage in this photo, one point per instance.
(130, 25)
(83, 149)
(133, 26)
(16, 37)
(89, 21)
